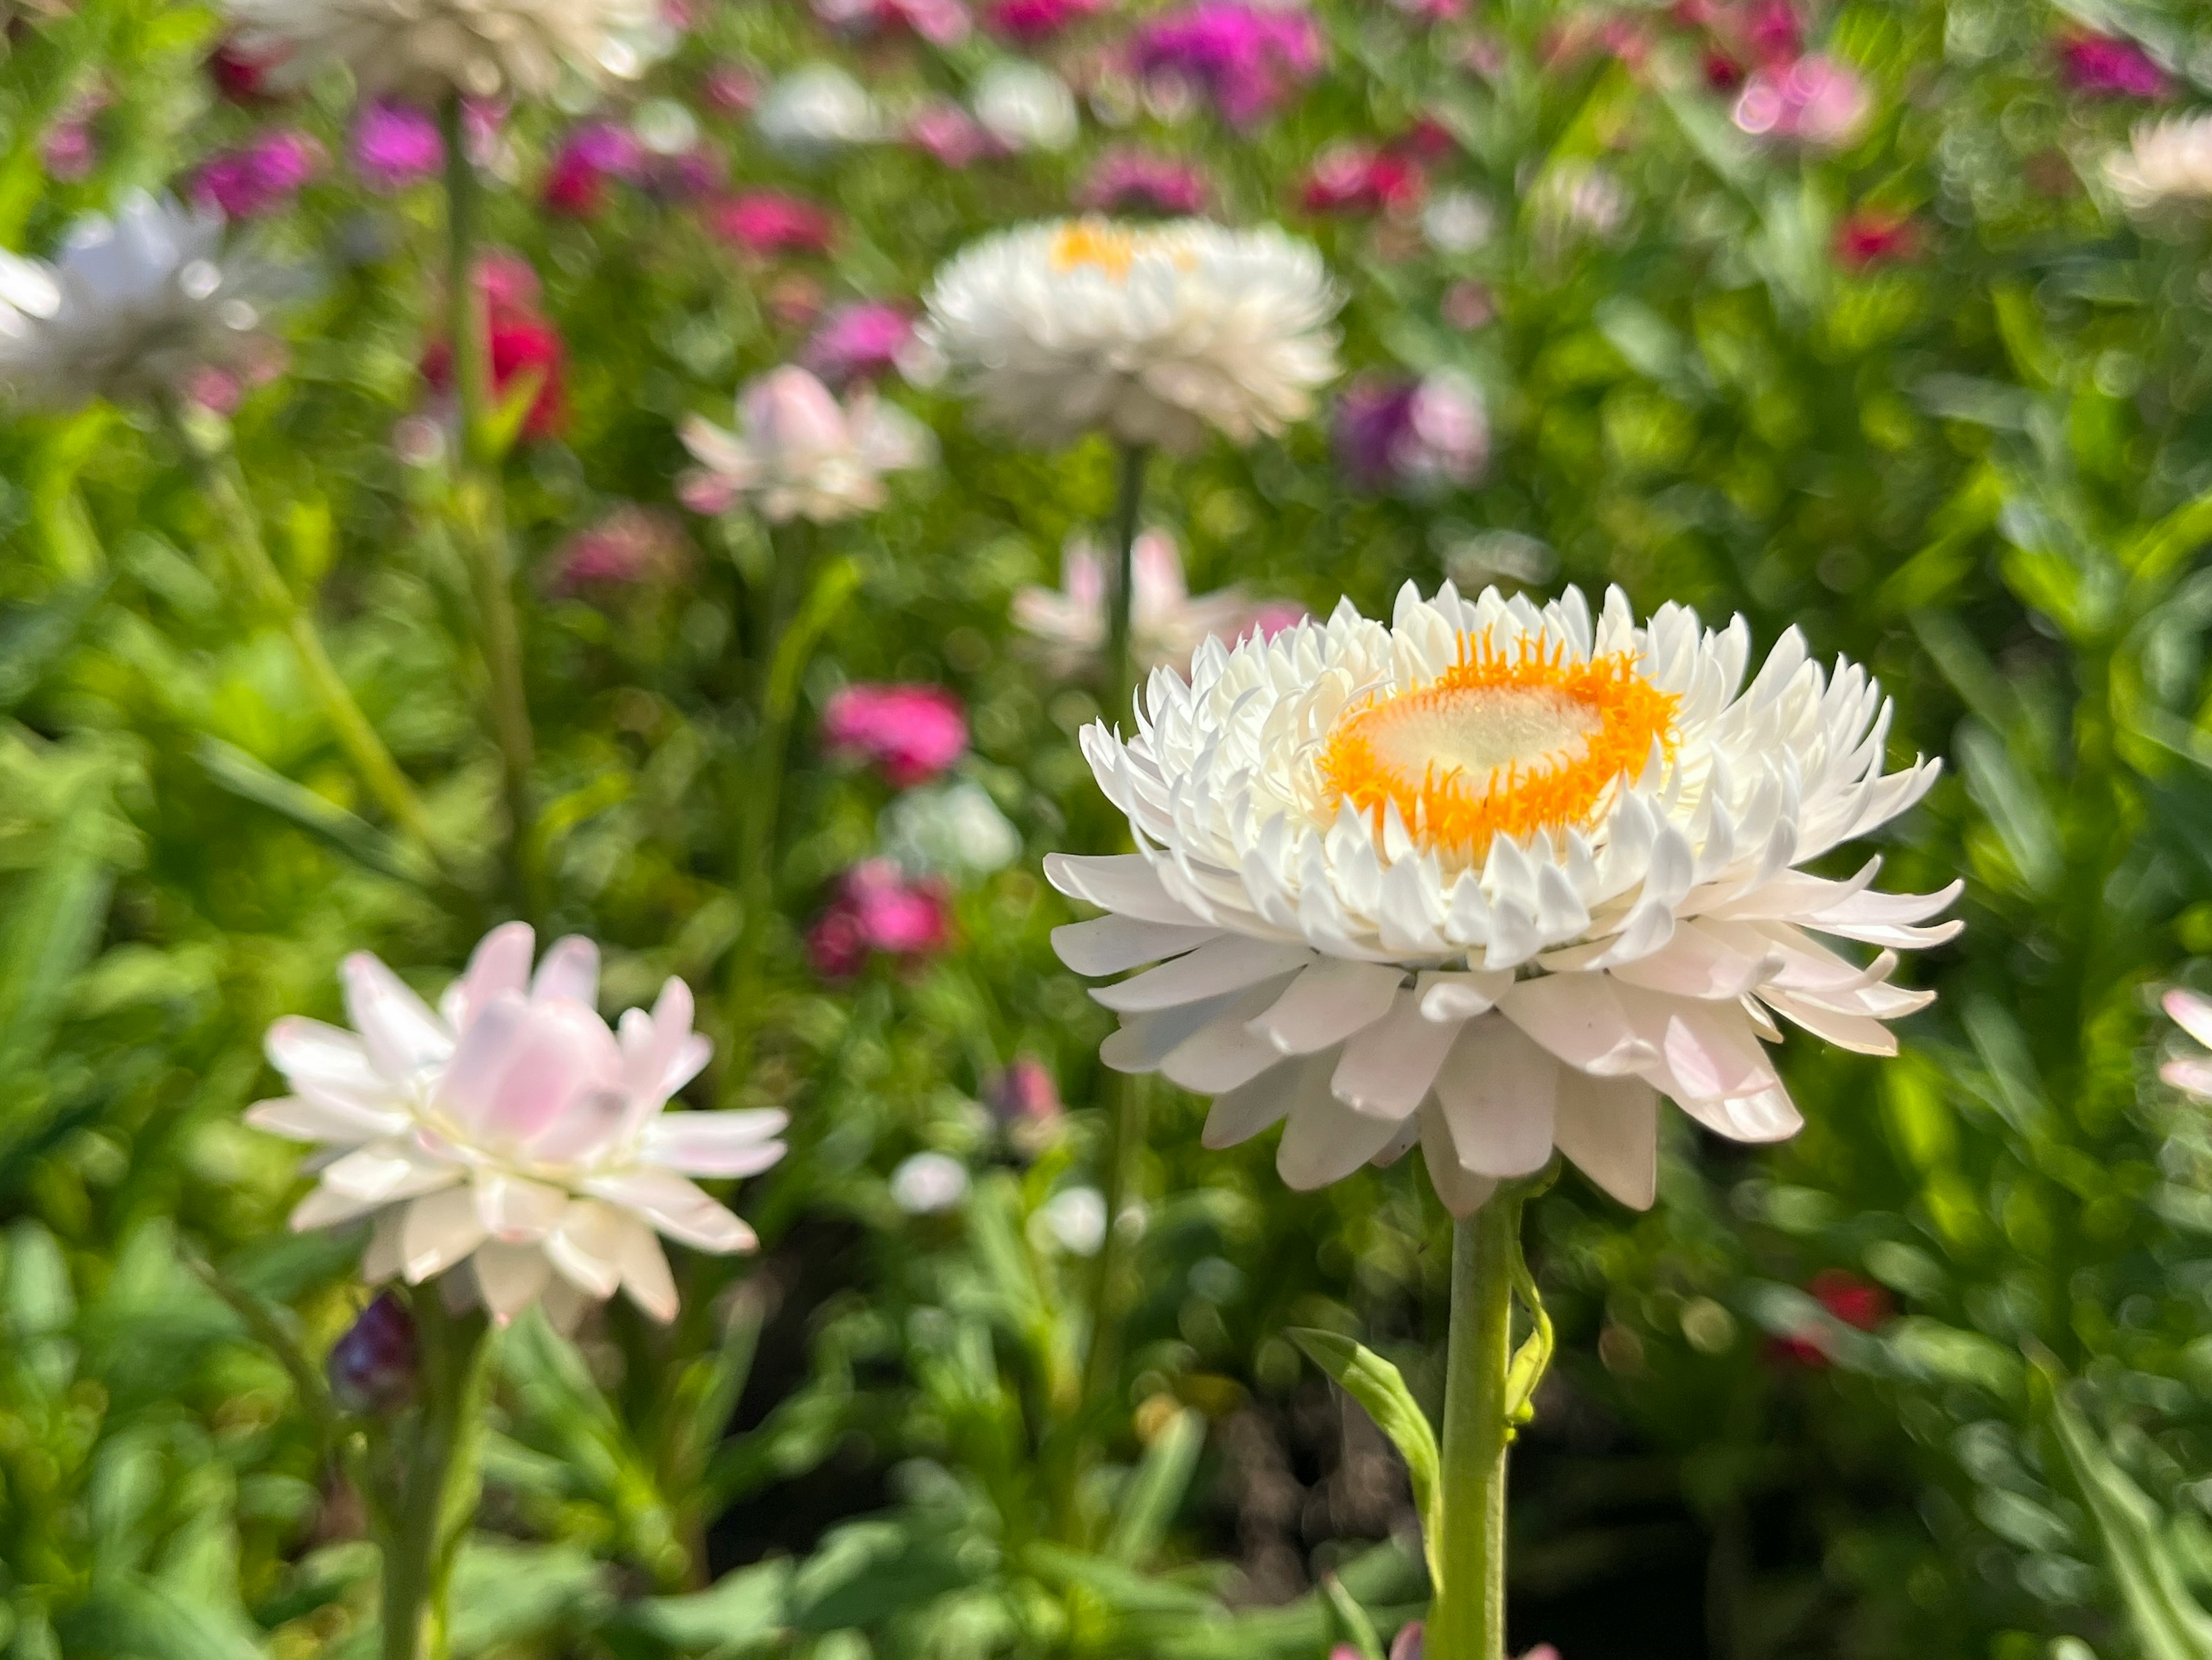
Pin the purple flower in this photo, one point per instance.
(591, 155)
(372, 1367)
(1420, 437)
(396, 145)
(1248, 58)
(858, 342)
(1131, 181)
(2108, 66)
(261, 177)
(70, 151)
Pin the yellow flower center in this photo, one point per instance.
(1112, 248)
(1513, 741)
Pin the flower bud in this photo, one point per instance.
(372, 1367)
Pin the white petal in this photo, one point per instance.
(1610, 1128)
(509, 1278)
(1459, 996)
(1497, 1090)
(1386, 1070)
(1241, 1112)
(1695, 963)
(740, 1143)
(1221, 1054)
(300, 1119)
(440, 1229)
(1324, 1140)
(385, 1171)
(1706, 1051)
(1230, 963)
(1462, 1191)
(1768, 1115)
(1855, 1032)
(501, 963)
(1114, 945)
(569, 971)
(1125, 883)
(309, 1052)
(1580, 1019)
(586, 1247)
(1328, 1001)
(2191, 1012)
(397, 1028)
(515, 1210)
(676, 1206)
(645, 1275)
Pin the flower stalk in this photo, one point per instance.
(434, 1474)
(1122, 670)
(215, 470)
(479, 504)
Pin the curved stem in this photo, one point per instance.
(1467, 1620)
(479, 499)
(215, 470)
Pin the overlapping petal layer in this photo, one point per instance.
(513, 1130)
(1371, 978)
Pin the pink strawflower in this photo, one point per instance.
(913, 732)
(69, 150)
(876, 908)
(858, 342)
(940, 22)
(1031, 21)
(731, 89)
(947, 132)
(632, 546)
(1271, 616)
(1816, 99)
(1248, 58)
(1773, 34)
(259, 176)
(1128, 180)
(396, 145)
(768, 222)
(1351, 177)
(2110, 66)
(588, 157)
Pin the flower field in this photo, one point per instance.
(1125, 829)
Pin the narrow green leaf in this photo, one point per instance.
(831, 589)
(234, 770)
(1351, 1619)
(1378, 1386)
(1155, 1489)
(707, 1395)
(744, 1606)
(52, 923)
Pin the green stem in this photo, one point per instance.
(479, 498)
(215, 470)
(1467, 1619)
(1122, 670)
(439, 1485)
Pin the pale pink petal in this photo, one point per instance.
(1768, 1115)
(309, 1053)
(509, 1279)
(569, 971)
(388, 1169)
(1698, 962)
(2191, 1012)
(397, 1028)
(522, 1068)
(2190, 1074)
(500, 964)
(1706, 1051)
(586, 1127)
(442, 1228)
(300, 1118)
(586, 1247)
(740, 1143)
(676, 1206)
(1610, 1128)
(1496, 1092)
(516, 1210)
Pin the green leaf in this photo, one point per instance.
(745, 1606)
(870, 1570)
(33, 638)
(1378, 1386)
(1155, 1490)
(832, 588)
(234, 770)
(128, 1615)
(53, 921)
(2167, 1621)
(706, 1395)
(1358, 1630)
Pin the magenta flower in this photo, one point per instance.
(1817, 100)
(1353, 178)
(876, 908)
(767, 222)
(70, 151)
(858, 342)
(1130, 180)
(1033, 21)
(1248, 58)
(396, 145)
(259, 176)
(2110, 66)
(948, 133)
(1417, 435)
(913, 732)
(588, 157)
(940, 22)
(693, 176)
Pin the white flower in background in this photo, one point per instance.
(815, 111)
(1166, 624)
(132, 306)
(1074, 1218)
(954, 830)
(2189, 1073)
(512, 1130)
(2166, 161)
(1495, 879)
(928, 1184)
(1150, 333)
(1458, 222)
(1025, 106)
(424, 49)
(801, 454)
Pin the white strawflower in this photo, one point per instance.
(511, 1129)
(815, 111)
(798, 453)
(1150, 333)
(131, 307)
(1025, 106)
(955, 829)
(2191, 1073)
(2168, 161)
(1495, 879)
(425, 49)
(927, 1183)
(1166, 622)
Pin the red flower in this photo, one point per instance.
(768, 222)
(2108, 66)
(1868, 236)
(876, 908)
(241, 76)
(1353, 178)
(1859, 1304)
(522, 341)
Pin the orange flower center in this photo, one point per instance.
(1513, 741)
(1111, 248)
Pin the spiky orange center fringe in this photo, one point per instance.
(1606, 714)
